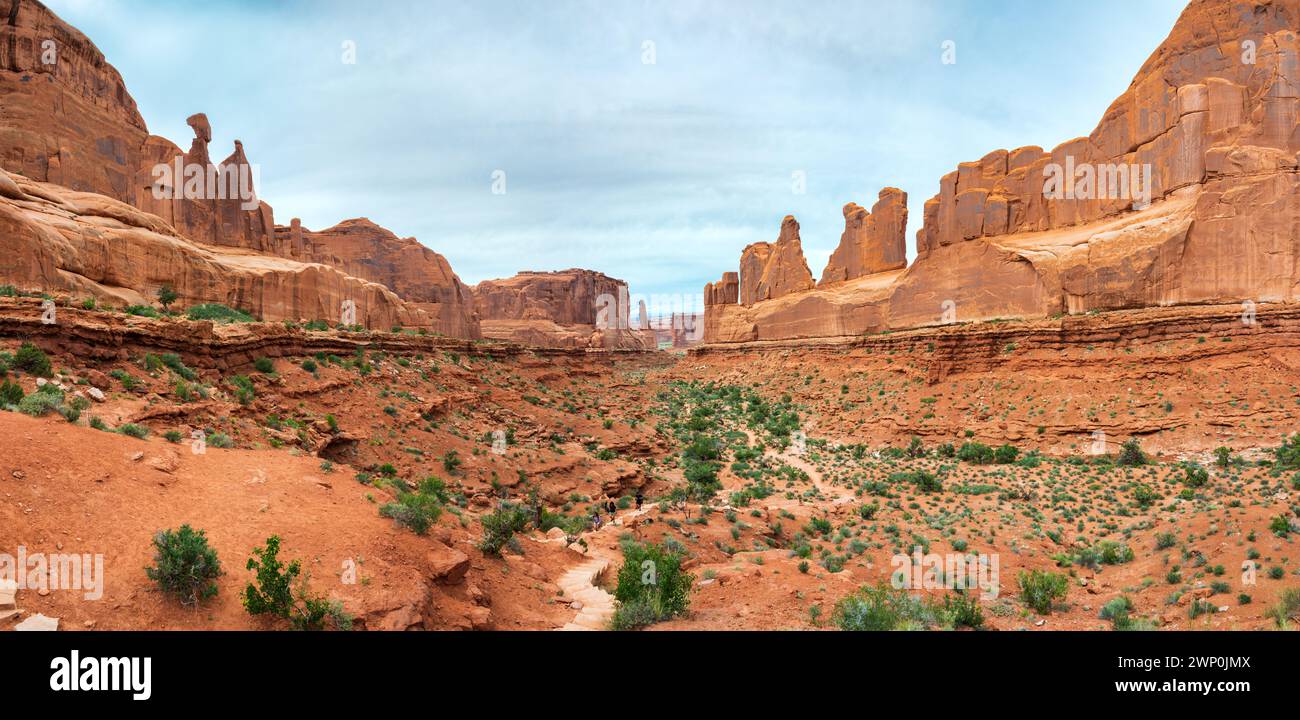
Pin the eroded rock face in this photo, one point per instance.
(566, 309)
(89, 245)
(566, 297)
(769, 271)
(66, 118)
(1188, 191)
(873, 242)
(65, 114)
(417, 274)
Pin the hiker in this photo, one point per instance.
(611, 506)
(639, 499)
(595, 521)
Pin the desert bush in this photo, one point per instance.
(1006, 454)
(417, 510)
(1195, 476)
(218, 313)
(139, 432)
(499, 527)
(652, 587)
(264, 365)
(30, 358)
(1145, 496)
(281, 591)
(185, 566)
(884, 608)
(975, 453)
(1039, 589)
(10, 393)
(1287, 608)
(1130, 454)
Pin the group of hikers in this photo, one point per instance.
(610, 506)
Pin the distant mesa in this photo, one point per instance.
(575, 308)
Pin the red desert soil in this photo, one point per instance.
(343, 418)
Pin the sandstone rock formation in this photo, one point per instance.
(88, 245)
(66, 118)
(65, 114)
(1188, 191)
(568, 308)
(420, 276)
(772, 270)
(873, 241)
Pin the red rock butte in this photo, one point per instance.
(1213, 116)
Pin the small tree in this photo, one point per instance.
(184, 565)
(1131, 455)
(166, 296)
(277, 594)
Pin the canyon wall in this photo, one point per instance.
(88, 245)
(67, 119)
(1187, 191)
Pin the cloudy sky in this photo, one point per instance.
(651, 140)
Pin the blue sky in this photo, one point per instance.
(655, 173)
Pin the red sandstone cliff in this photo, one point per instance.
(418, 275)
(1213, 117)
(67, 119)
(568, 308)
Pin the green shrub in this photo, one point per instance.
(173, 362)
(184, 565)
(167, 296)
(1006, 454)
(281, 593)
(220, 440)
(1195, 476)
(964, 609)
(30, 358)
(499, 528)
(1130, 454)
(450, 461)
(882, 608)
(218, 313)
(1287, 608)
(173, 436)
(138, 432)
(1280, 526)
(1145, 496)
(1039, 589)
(652, 587)
(244, 392)
(975, 453)
(925, 482)
(42, 402)
(417, 510)
(141, 311)
(10, 393)
(309, 365)
(264, 365)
